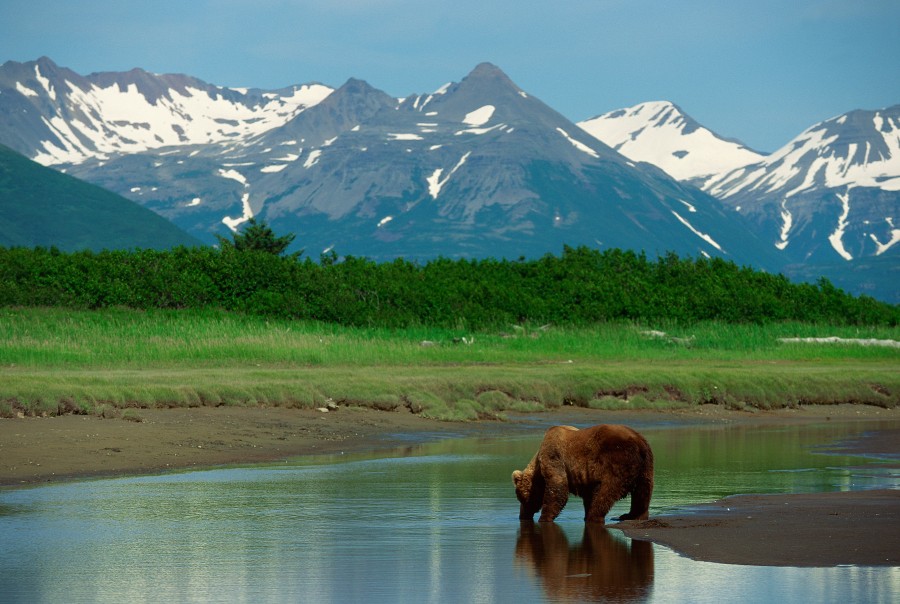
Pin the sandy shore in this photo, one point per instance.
(794, 530)
(822, 529)
(40, 450)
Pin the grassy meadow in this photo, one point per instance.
(114, 361)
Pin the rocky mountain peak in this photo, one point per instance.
(661, 133)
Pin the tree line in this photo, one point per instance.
(577, 287)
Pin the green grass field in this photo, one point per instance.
(55, 361)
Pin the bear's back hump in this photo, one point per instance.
(609, 436)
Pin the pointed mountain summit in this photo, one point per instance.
(488, 72)
(661, 133)
(488, 80)
(348, 106)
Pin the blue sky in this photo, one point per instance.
(757, 70)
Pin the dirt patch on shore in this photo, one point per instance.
(35, 450)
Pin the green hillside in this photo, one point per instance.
(42, 207)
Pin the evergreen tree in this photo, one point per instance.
(258, 236)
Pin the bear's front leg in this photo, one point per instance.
(555, 497)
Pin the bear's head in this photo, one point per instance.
(529, 499)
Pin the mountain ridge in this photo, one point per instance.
(477, 167)
(71, 118)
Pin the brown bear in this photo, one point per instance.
(601, 464)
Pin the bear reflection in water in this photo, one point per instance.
(602, 567)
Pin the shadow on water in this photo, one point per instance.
(602, 567)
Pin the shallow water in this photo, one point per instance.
(430, 523)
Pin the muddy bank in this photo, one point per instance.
(820, 529)
(40, 450)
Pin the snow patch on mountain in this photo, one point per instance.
(691, 207)
(578, 144)
(234, 175)
(480, 116)
(787, 221)
(435, 183)
(702, 236)
(403, 136)
(881, 248)
(837, 237)
(45, 82)
(25, 90)
(234, 223)
(661, 134)
(478, 131)
(313, 158)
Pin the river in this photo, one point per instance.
(435, 522)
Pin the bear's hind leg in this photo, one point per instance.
(640, 500)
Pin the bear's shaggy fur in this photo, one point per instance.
(601, 464)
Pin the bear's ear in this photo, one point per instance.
(517, 476)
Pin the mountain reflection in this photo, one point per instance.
(601, 567)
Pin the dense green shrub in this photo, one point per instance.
(578, 287)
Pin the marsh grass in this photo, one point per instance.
(54, 361)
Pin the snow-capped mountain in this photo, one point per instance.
(476, 168)
(856, 149)
(831, 193)
(660, 133)
(56, 116)
(828, 201)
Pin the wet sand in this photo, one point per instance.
(41, 450)
(781, 530)
(821, 529)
